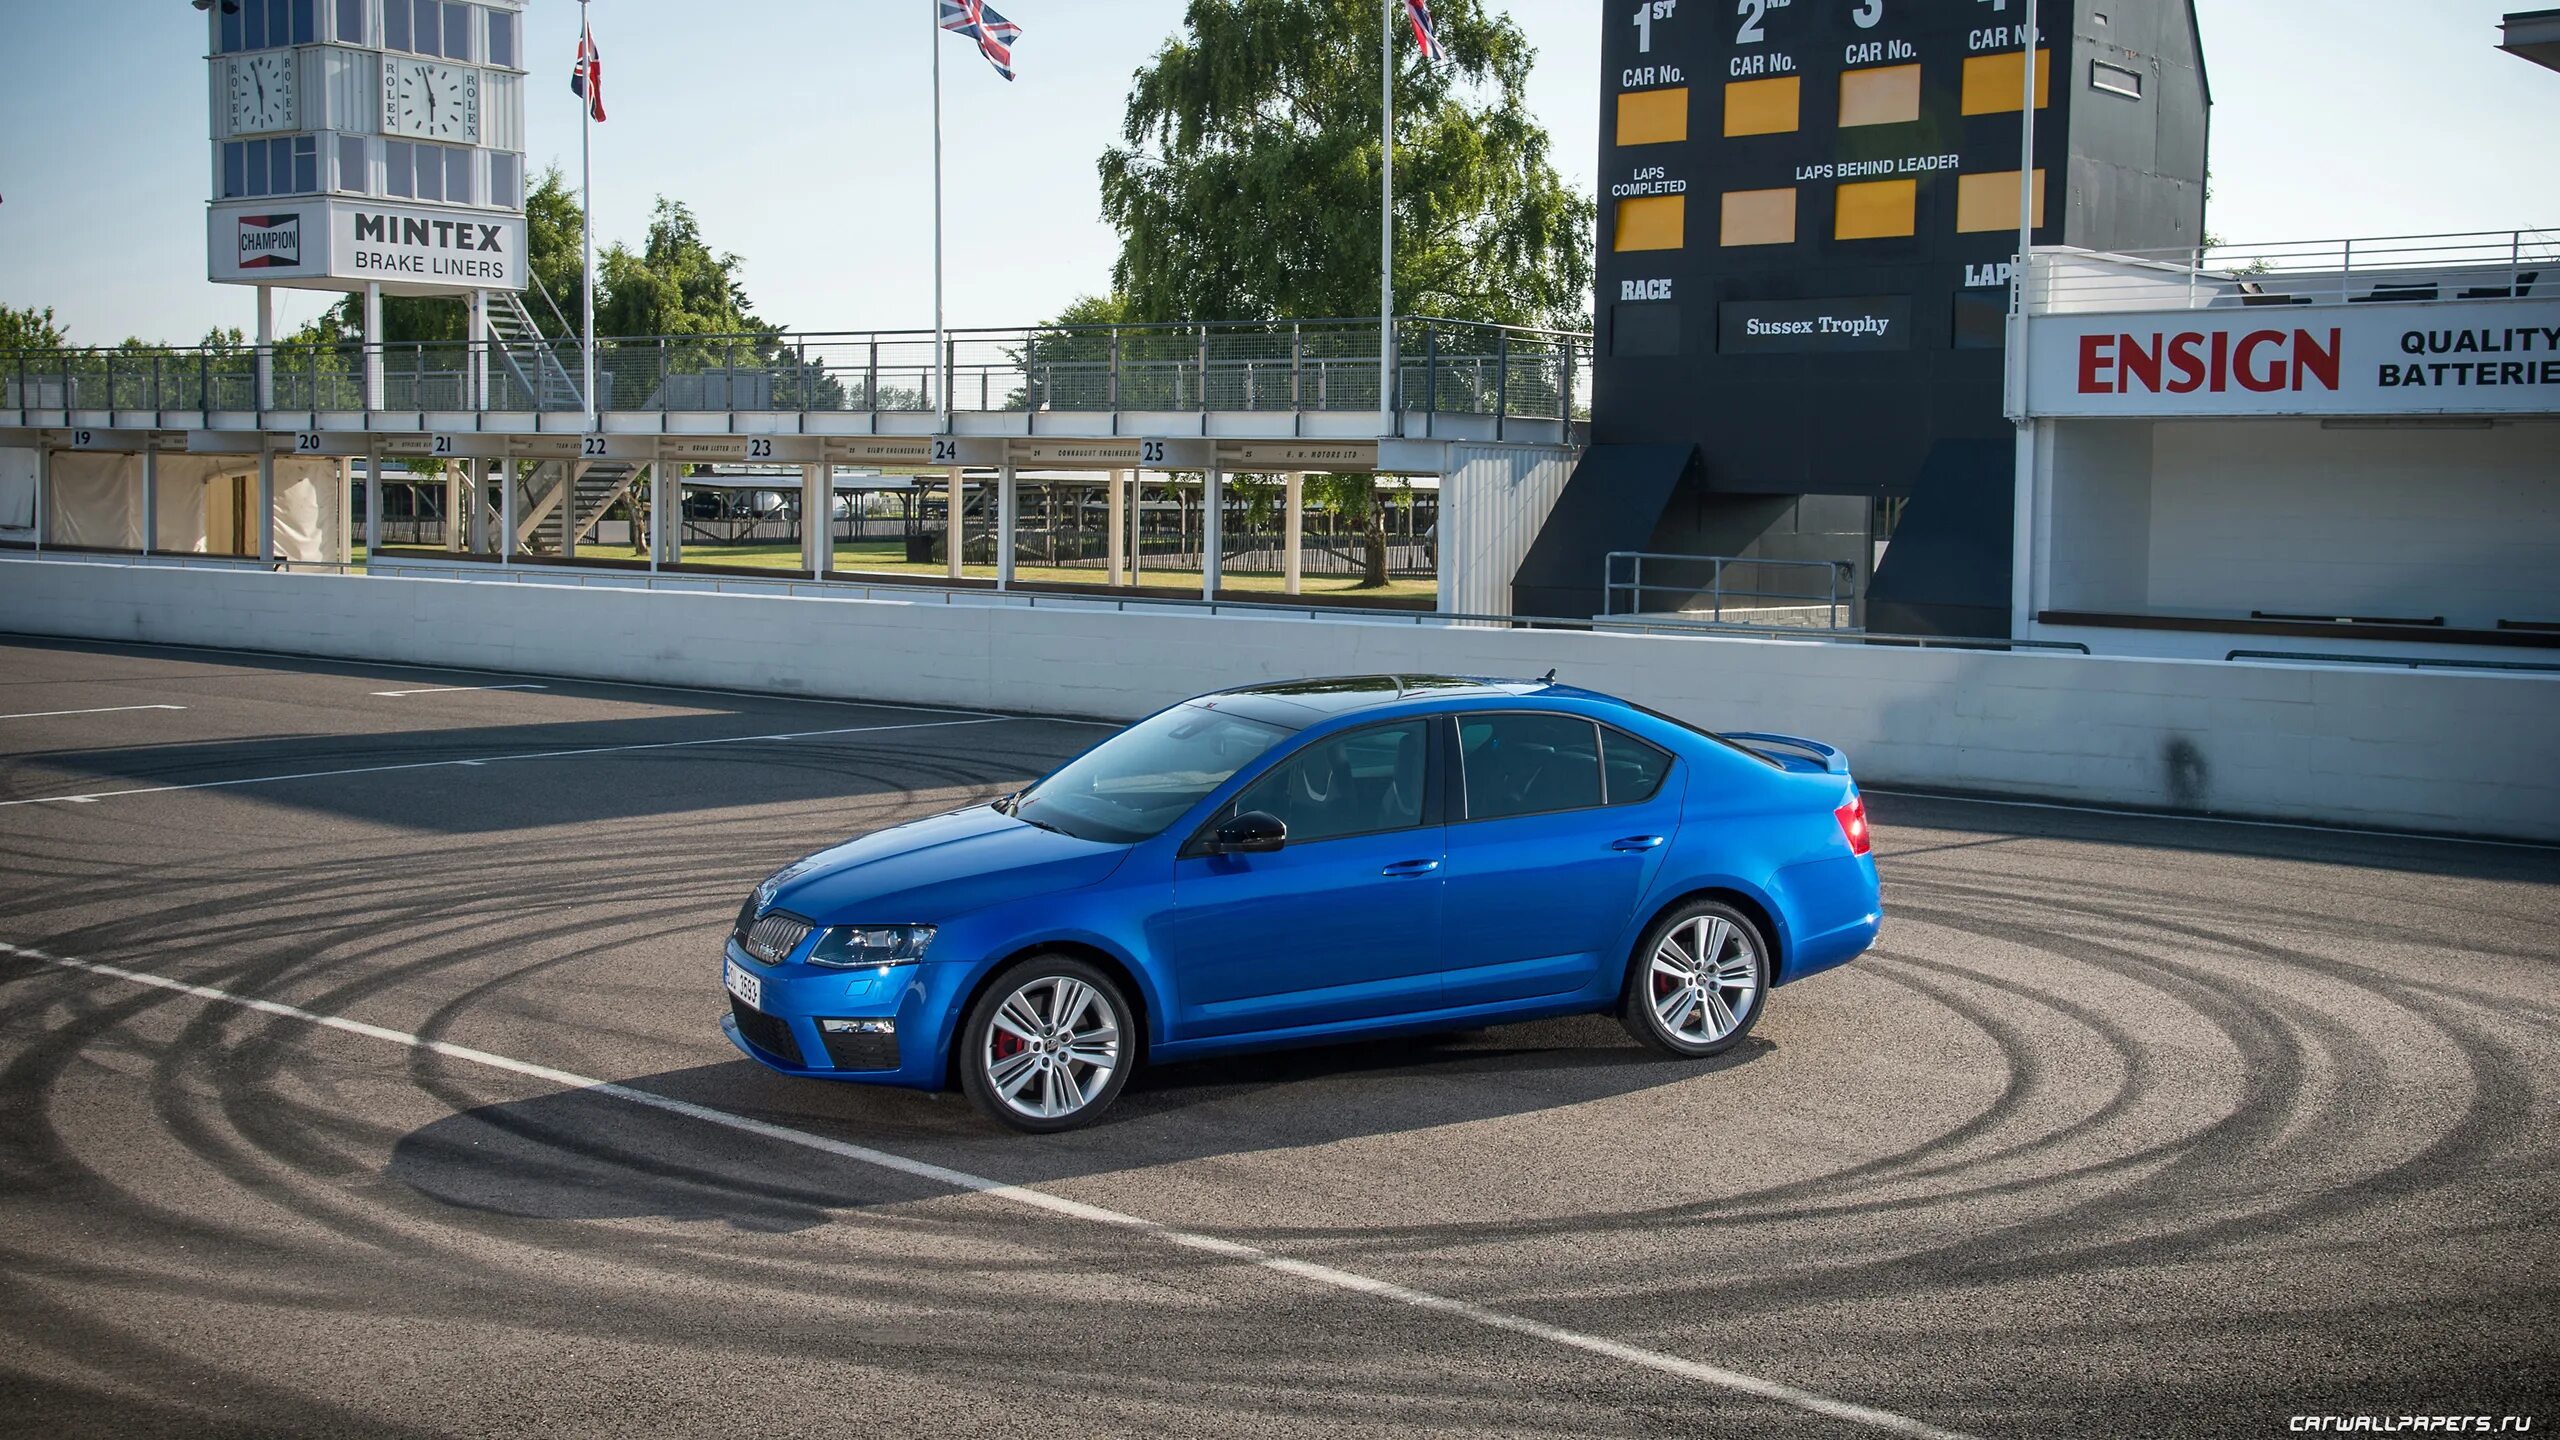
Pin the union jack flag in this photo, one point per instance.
(586, 81)
(979, 21)
(1426, 34)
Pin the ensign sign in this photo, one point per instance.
(2489, 358)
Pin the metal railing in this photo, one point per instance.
(2483, 265)
(1444, 366)
(1676, 576)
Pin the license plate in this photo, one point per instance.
(746, 987)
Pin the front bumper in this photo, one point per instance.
(789, 1031)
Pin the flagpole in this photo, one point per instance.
(941, 377)
(587, 207)
(1387, 226)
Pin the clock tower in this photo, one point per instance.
(367, 145)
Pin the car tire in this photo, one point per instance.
(1676, 1004)
(1048, 1045)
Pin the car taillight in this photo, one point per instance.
(1853, 823)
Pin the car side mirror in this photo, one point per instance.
(1255, 832)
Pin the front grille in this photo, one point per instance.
(773, 938)
(767, 1033)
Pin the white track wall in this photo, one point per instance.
(2474, 754)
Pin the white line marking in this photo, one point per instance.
(458, 689)
(2176, 818)
(485, 760)
(102, 710)
(1022, 1195)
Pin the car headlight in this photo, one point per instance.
(853, 946)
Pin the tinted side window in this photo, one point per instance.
(1635, 768)
(1357, 783)
(1528, 764)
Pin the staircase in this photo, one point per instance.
(528, 359)
(598, 487)
(532, 362)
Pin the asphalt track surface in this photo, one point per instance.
(2131, 1126)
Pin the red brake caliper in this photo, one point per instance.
(1008, 1044)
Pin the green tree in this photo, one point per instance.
(1247, 186)
(30, 329)
(674, 285)
(555, 248)
(1069, 358)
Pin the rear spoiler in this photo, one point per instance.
(1832, 760)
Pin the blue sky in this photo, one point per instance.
(798, 129)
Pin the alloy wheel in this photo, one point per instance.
(1705, 978)
(1051, 1047)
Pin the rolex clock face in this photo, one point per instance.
(261, 93)
(431, 102)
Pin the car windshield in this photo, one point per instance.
(1141, 780)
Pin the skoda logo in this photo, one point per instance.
(765, 893)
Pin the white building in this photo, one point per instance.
(2348, 447)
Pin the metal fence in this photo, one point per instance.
(2484, 265)
(1713, 587)
(1061, 526)
(1456, 366)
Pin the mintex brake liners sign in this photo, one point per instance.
(339, 243)
(407, 246)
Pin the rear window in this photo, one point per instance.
(1736, 746)
(1633, 768)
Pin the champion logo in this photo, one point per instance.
(270, 242)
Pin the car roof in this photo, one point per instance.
(1300, 703)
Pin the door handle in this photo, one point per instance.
(1635, 843)
(1411, 867)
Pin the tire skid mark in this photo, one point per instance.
(2274, 1062)
(2235, 1119)
(288, 1152)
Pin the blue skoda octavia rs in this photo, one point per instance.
(1312, 862)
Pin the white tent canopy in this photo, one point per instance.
(206, 503)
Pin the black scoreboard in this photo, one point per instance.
(1807, 214)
